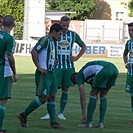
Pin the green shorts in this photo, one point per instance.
(5, 87)
(106, 78)
(45, 85)
(129, 84)
(63, 76)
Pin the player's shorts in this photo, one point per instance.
(129, 84)
(45, 85)
(5, 87)
(63, 76)
(106, 78)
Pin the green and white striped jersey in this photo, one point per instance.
(129, 51)
(64, 49)
(46, 52)
(7, 45)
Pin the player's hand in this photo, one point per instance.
(43, 71)
(56, 62)
(127, 66)
(15, 77)
(83, 119)
(73, 58)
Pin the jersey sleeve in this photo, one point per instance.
(41, 44)
(80, 79)
(10, 45)
(78, 40)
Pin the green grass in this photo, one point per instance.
(117, 117)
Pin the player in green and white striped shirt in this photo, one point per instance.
(46, 87)
(128, 60)
(65, 67)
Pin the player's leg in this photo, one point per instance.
(110, 79)
(51, 103)
(2, 112)
(5, 89)
(91, 106)
(102, 108)
(41, 92)
(59, 75)
(66, 83)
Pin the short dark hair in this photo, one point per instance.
(8, 21)
(57, 27)
(65, 18)
(73, 77)
(130, 24)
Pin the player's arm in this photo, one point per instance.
(125, 57)
(34, 55)
(12, 65)
(82, 50)
(82, 102)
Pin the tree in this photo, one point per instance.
(16, 9)
(130, 6)
(84, 8)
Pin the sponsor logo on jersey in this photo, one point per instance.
(38, 47)
(63, 52)
(131, 52)
(63, 44)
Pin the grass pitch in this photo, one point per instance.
(118, 112)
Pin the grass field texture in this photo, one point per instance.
(118, 112)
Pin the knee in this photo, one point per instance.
(52, 97)
(103, 93)
(3, 102)
(43, 99)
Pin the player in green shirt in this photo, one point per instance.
(65, 67)
(7, 65)
(128, 60)
(101, 75)
(43, 57)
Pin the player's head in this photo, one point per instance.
(8, 21)
(56, 31)
(73, 78)
(130, 29)
(65, 21)
(1, 21)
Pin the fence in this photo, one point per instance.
(91, 31)
(105, 31)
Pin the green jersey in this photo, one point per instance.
(45, 49)
(89, 71)
(129, 51)
(64, 49)
(7, 45)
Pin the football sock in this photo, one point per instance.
(102, 109)
(2, 115)
(91, 108)
(132, 103)
(63, 100)
(51, 110)
(32, 106)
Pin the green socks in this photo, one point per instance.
(102, 108)
(91, 108)
(32, 106)
(51, 110)
(63, 100)
(2, 115)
